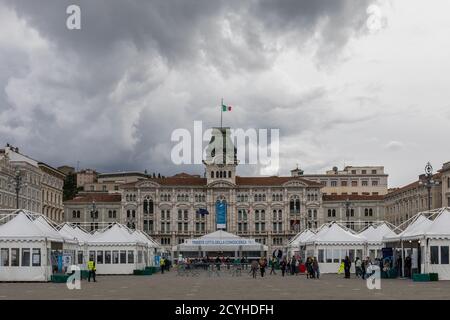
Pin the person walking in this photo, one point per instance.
(272, 267)
(293, 262)
(308, 267)
(254, 268)
(162, 264)
(347, 266)
(283, 265)
(408, 264)
(262, 266)
(316, 269)
(92, 269)
(358, 264)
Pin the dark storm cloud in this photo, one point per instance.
(110, 94)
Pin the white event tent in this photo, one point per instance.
(297, 244)
(374, 235)
(220, 243)
(33, 249)
(26, 245)
(331, 244)
(117, 251)
(428, 240)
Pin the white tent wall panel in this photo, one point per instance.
(117, 268)
(40, 273)
(337, 252)
(442, 269)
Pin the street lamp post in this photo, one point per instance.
(429, 182)
(18, 184)
(94, 213)
(347, 211)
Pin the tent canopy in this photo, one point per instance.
(22, 227)
(335, 234)
(375, 234)
(114, 235)
(414, 231)
(440, 227)
(301, 238)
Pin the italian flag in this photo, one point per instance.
(225, 108)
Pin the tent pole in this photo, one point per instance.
(403, 260)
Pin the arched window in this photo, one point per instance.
(294, 205)
(366, 212)
(333, 212)
(370, 212)
(229, 174)
(221, 174)
(212, 174)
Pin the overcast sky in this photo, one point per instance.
(340, 90)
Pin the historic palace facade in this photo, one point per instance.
(269, 209)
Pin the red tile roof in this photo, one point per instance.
(97, 197)
(410, 186)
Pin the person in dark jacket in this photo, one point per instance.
(315, 267)
(293, 263)
(347, 266)
(283, 265)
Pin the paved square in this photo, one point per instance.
(172, 286)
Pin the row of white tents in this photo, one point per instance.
(426, 240)
(32, 248)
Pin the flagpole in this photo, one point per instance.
(221, 112)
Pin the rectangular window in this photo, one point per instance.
(108, 257)
(336, 255)
(4, 257)
(321, 256)
(115, 257)
(354, 183)
(36, 258)
(185, 227)
(99, 257)
(180, 227)
(123, 256)
(14, 257)
(365, 183)
(351, 254)
(139, 256)
(359, 253)
(334, 183)
(80, 257)
(130, 256)
(374, 171)
(92, 255)
(434, 254)
(343, 183)
(444, 255)
(374, 183)
(25, 257)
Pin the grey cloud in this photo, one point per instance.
(110, 94)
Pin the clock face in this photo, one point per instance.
(428, 169)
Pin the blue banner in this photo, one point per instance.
(221, 214)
